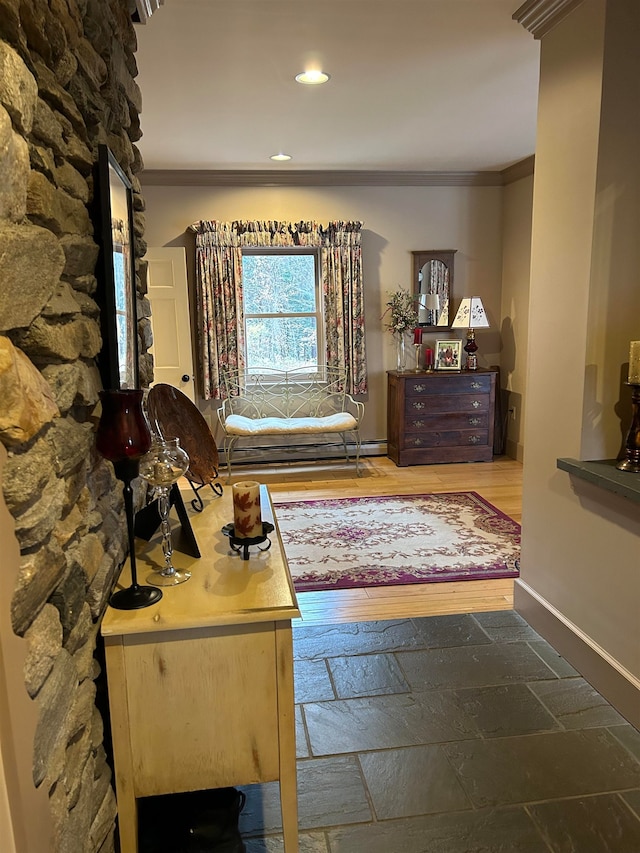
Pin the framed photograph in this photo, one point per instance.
(116, 272)
(448, 355)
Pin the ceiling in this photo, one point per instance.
(416, 85)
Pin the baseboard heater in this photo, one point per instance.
(304, 452)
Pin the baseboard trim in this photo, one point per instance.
(514, 450)
(618, 686)
(304, 452)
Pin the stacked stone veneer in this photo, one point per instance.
(67, 72)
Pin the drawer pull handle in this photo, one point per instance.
(474, 421)
(474, 439)
(418, 405)
(419, 388)
(475, 385)
(476, 404)
(419, 424)
(417, 442)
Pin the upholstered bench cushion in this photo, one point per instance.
(239, 425)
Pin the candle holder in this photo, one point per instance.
(123, 437)
(631, 461)
(163, 466)
(417, 348)
(428, 360)
(242, 543)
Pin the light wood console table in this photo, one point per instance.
(201, 683)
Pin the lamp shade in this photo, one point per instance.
(430, 301)
(428, 305)
(471, 314)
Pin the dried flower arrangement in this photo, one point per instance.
(401, 314)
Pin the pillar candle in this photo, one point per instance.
(428, 357)
(634, 363)
(247, 517)
(417, 335)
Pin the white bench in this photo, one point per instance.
(306, 401)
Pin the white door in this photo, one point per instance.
(170, 318)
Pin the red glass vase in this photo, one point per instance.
(123, 432)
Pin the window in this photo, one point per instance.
(282, 309)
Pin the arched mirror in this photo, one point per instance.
(433, 286)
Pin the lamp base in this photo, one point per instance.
(135, 597)
(472, 362)
(471, 348)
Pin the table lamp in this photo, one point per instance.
(471, 316)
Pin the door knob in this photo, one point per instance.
(185, 377)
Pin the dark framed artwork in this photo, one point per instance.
(116, 275)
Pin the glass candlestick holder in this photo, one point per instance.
(161, 467)
(418, 348)
(123, 437)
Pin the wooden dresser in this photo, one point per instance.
(440, 416)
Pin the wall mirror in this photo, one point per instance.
(117, 274)
(433, 286)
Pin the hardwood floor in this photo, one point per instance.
(499, 482)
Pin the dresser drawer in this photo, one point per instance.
(417, 423)
(447, 438)
(443, 403)
(458, 383)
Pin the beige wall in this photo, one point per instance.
(580, 544)
(516, 261)
(396, 220)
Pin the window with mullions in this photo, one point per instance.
(282, 310)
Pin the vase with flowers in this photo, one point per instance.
(400, 318)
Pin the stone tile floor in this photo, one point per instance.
(450, 734)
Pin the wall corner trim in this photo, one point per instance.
(522, 169)
(541, 16)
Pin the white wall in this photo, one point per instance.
(580, 543)
(397, 220)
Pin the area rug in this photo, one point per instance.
(398, 539)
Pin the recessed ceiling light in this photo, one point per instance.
(313, 78)
(280, 157)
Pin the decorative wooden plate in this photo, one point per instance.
(173, 415)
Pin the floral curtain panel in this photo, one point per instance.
(220, 313)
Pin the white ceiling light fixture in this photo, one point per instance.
(280, 158)
(313, 77)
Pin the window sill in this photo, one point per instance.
(605, 475)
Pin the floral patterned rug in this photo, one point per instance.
(398, 539)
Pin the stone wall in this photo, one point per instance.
(67, 84)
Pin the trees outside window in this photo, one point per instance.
(282, 310)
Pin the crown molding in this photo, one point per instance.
(541, 16)
(519, 170)
(316, 178)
